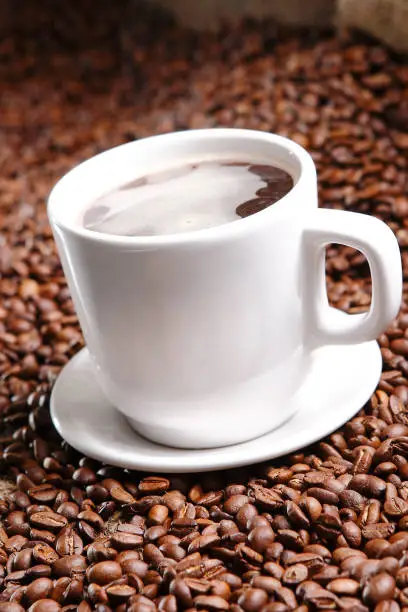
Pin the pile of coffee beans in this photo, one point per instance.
(325, 528)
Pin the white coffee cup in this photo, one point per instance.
(201, 339)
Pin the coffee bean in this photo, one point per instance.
(295, 574)
(296, 516)
(48, 520)
(377, 530)
(68, 565)
(42, 494)
(352, 534)
(44, 605)
(125, 541)
(69, 510)
(168, 603)
(97, 493)
(234, 503)
(119, 593)
(344, 586)
(379, 588)
(260, 538)
(68, 542)
(267, 498)
(40, 588)
(252, 600)
(154, 484)
(371, 486)
(158, 514)
(15, 543)
(44, 554)
(323, 495)
(84, 476)
(39, 571)
(22, 559)
(210, 602)
(104, 572)
(387, 606)
(141, 603)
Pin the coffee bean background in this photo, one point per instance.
(325, 528)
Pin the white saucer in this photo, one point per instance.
(341, 380)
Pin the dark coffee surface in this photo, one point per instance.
(323, 528)
(277, 184)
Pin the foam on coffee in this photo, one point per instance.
(187, 198)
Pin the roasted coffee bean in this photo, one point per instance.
(377, 530)
(68, 542)
(295, 574)
(121, 496)
(126, 541)
(43, 494)
(48, 520)
(213, 603)
(104, 572)
(260, 538)
(39, 571)
(68, 509)
(158, 514)
(140, 603)
(68, 565)
(97, 493)
(45, 605)
(379, 588)
(252, 600)
(16, 524)
(387, 605)
(40, 588)
(234, 503)
(120, 593)
(154, 484)
(344, 586)
(352, 534)
(84, 476)
(368, 485)
(43, 554)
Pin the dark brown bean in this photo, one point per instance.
(38, 589)
(68, 565)
(68, 542)
(84, 476)
(252, 600)
(45, 605)
(260, 538)
(44, 554)
(50, 521)
(368, 485)
(344, 586)
(387, 605)
(211, 602)
(104, 572)
(379, 588)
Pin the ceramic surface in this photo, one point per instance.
(340, 381)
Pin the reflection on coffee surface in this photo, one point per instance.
(187, 198)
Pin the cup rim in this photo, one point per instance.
(69, 181)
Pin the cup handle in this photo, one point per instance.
(377, 242)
